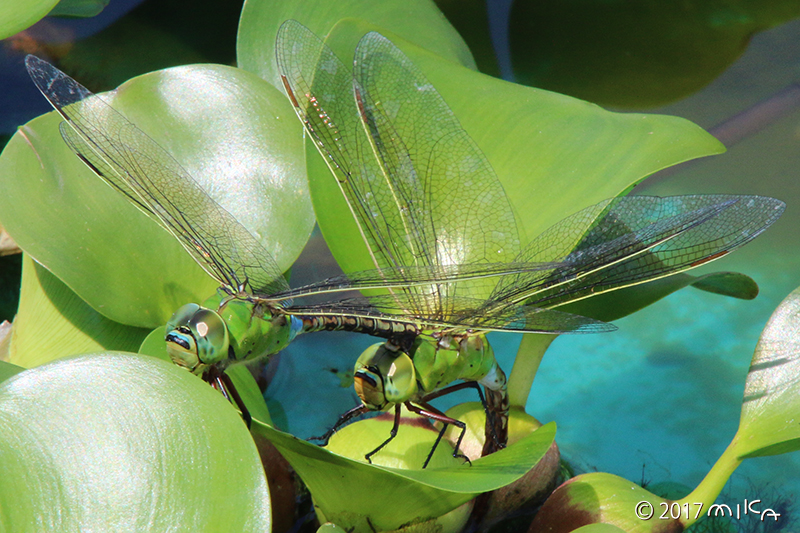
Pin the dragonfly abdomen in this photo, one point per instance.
(371, 326)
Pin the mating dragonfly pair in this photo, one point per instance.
(436, 221)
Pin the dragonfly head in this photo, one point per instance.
(196, 338)
(384, 376)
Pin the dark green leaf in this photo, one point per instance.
(78, 8)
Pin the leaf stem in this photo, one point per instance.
(708, 489)
(526, 364)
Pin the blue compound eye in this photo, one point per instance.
(196, 337)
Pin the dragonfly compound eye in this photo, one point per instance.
(196, 337)
(383, 377)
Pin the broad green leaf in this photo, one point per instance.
(771, 406)
(78, 8)
(553, 154)
(53, 322)
(16, 16)
(119, 442)
(637, 53)
(234, 133)
(344, 488)
(418, 21)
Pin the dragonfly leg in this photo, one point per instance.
(491, 422)
(392, 434)
(428, 411)
(352, 413)
(228, 385)
(222, 382)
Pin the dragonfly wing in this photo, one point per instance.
(131, 162)
(422, 276)
(636, 239)
(320, 87)
(405, 218)
(451, 203)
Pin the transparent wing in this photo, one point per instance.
(319, 87)
(422, 193)
(457, 210)
(422, 277)
(635, 239)
(131, 162)
(629, 240)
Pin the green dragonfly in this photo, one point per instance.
(425, 196)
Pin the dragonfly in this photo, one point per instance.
(424, 195)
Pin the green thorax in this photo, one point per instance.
(442, 362)
(253, 331)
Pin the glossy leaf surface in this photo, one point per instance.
(16, 16)
(771, 406)
(120, 442)
(600, 498)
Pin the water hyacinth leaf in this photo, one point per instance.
(248, 389)
(234, 133)
(409, 450)
(154, 345)
(8, 369)
(118, 442)
(350, 485)
(615, 305)
(53, 322)
(418, 21)
(17, 16)
(78, 8)
(733, 284)
(553, 154)
(771, 405)
(600, 498)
